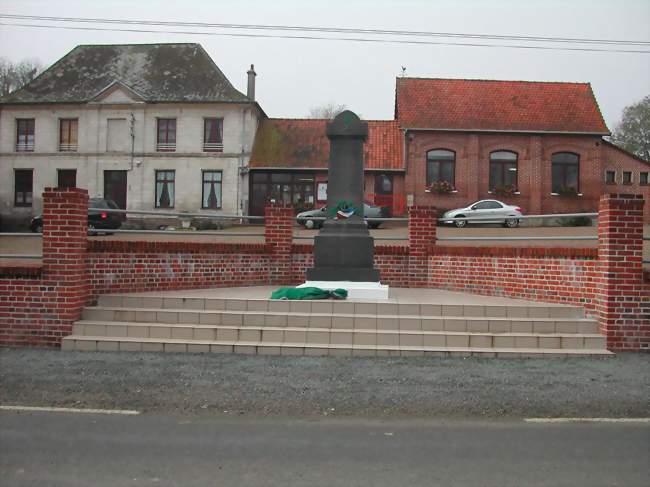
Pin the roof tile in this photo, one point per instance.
(302, 143)
(525, 106)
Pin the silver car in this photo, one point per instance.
(489, 211)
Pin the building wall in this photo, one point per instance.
(92, 159)
(534, 170)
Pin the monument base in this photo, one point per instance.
(356, 290)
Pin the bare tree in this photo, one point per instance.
(16, 75)
(328, 111)
(633, 132)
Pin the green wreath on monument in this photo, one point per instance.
(344, 209)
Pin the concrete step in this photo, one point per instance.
(325, 336)
(99, 343)
(340, 307)
(341, 320)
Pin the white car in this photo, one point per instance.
(489, 211)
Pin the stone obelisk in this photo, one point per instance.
(344, 249)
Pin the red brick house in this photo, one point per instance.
(538, 145)
(290, 157)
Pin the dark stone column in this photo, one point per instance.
(344, 249)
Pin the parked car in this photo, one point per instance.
(492, 210)
(369, 212)
(97, 219)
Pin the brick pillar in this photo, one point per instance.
(65, 233)
(624, 298)
(422, 233)
(278, 231)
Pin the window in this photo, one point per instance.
(565, 172)
(66, 178)
(441, 166)
(23, 183)
(627, 177)
(211, 190)
(165, 189)
(610, 177)
(117, 139)
(25, 135)
(643, 178)
(166, 141)
(213, 135)
(503, 170)
(68, 134)
(487, 205)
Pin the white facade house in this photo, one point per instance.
(152, 127)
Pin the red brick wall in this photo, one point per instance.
(38, 305)
(534, 169)
(546, 274)
(115, 266)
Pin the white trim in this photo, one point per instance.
(128, 412)
(587, 420)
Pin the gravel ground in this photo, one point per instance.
(312, 386)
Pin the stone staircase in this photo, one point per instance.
(187, 323)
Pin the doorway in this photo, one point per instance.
(115, 187)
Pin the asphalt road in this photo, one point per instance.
(60, 449)
(215, 385)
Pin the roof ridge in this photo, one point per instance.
(328, 119)
(494, 80)
(142, 44)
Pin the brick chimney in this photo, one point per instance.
(250, 92)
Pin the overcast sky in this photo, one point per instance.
(295, 75)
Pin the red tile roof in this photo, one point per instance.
(302, 143)
(521, 106)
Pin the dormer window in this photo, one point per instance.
(25, 135)
(68, 130)
(166, 141)
(213, 135)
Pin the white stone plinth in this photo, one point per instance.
(356, 290)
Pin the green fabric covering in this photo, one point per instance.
(308, 293)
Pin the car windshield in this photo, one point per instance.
(97, 203)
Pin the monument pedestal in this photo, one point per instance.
(343, 251)
(356, 290)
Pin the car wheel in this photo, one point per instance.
(38, 228)
(460, 223)
(91, 230)
(373, 225)
(511, 223)
(309, 224)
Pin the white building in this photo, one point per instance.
(151, 126)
